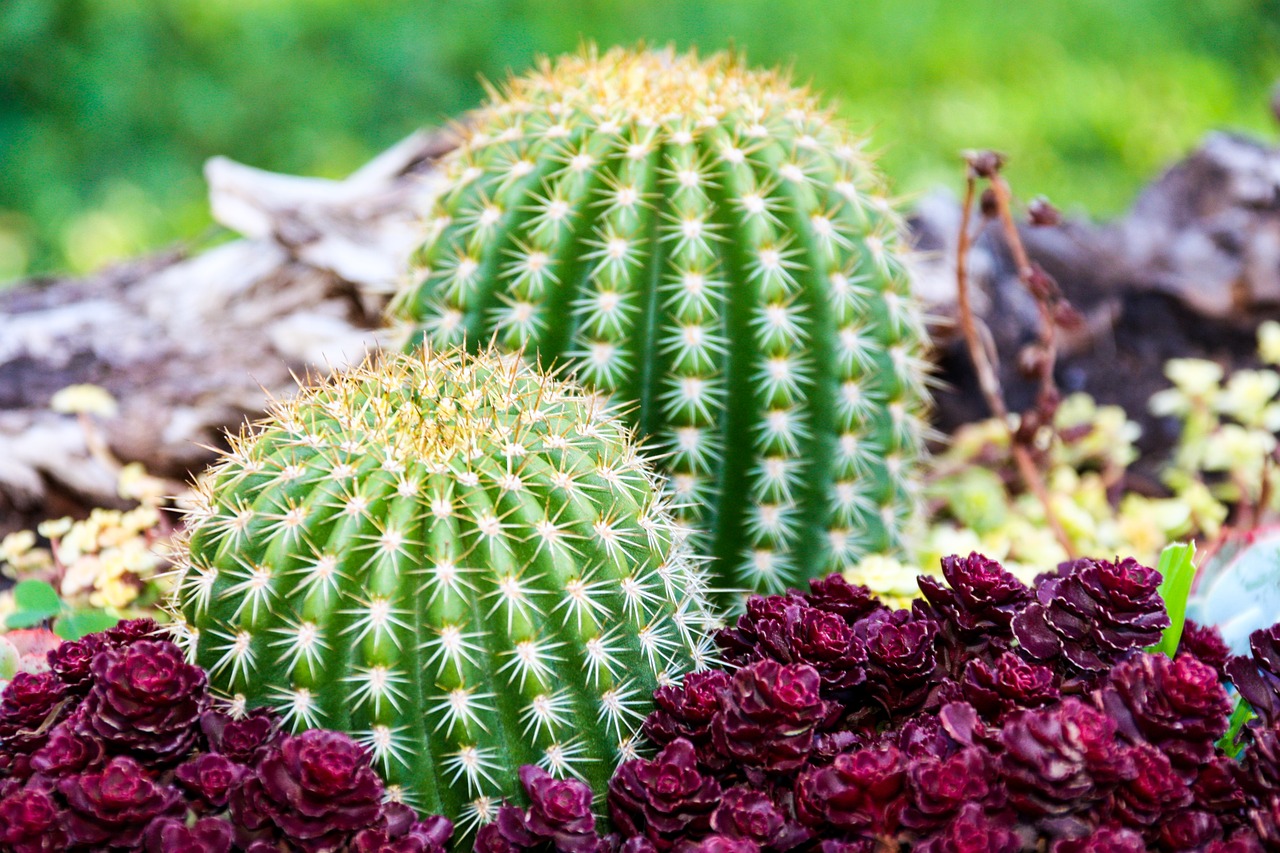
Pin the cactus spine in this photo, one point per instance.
(456, 558)
(703, 244)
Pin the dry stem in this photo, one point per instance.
(988, 380)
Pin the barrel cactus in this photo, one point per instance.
(703, 244)
(458, 559)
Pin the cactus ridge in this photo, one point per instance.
(463, 562)
(704, 243)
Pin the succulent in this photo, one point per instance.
(1007, 749)
(1239, 591)
(704, 245)
(460, 560)
(1093, 612)
(118, 749)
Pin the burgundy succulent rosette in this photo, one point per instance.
(117, 747)
(991, 717)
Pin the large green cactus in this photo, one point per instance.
(458, 559)
(705, 245)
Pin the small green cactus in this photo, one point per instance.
(704, 245)
(458, 559)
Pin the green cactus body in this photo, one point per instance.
(704, 245)
(457, 559)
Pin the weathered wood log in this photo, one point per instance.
(192, 345)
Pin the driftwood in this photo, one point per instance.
(191, 345)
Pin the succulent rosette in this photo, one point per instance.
(146, 697)
(1092, 613)
(980, 598)
(1178, 705)
(992, 716)
(955, 736)
(769, 715)
(664, 797)
(116, 747)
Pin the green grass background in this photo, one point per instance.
(109, 107)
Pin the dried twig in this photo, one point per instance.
(986, 165)
(988, 381)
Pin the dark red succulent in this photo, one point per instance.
(789, 630)
(1217, 786)
(210, 778)
(822, 640)
(403, 833)
(1242, 841)
(71, 660)
(1188, 829)
(685, 710)
(902, 661)
(663, 798)
(146, 699)
(739, 644)
(1092, 613)
(316, 787)
(1154, 791)
(1265, 821)
(30, 704)
(559, 811)
(748, 814)
(974, 831)
(1060, 759)
(207, 835)
(836, 595)
(980, 597)
(768, 716)
(920, 738)
(507, 833)
(1009, 684)
(1177, 705)
(1257, 677)
(1258, 770)
(718, 844)
(845, 845)
(244, 740)
(1205, 643)
(863, 791)
(113, 807)
(31, 821)
(70, 748)
(1107, 839)
(940, 786)
(128, 632)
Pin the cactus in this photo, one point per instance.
(458, 559)
(704, 245)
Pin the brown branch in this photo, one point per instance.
(987, 165)
(1038, 285)
(988, 381)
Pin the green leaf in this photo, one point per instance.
(37, 597)
(1230, 742)
(26, 619)
(1177, 569)
(76, 624)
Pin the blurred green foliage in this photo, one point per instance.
(108, 107)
